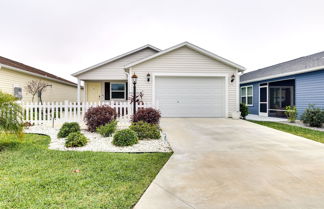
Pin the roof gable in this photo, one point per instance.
(116, 58)
(193, 47)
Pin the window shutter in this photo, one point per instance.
(126, 90)
(107, 90)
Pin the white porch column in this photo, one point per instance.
(238, 90)
(79, 91)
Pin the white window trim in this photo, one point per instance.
(246, 95)
(111, 98)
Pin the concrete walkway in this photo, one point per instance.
(224, 163)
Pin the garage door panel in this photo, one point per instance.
(191, 96)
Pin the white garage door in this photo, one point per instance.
(191, 96)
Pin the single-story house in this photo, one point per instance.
(183, 81)
(297, 82)
(14, 77)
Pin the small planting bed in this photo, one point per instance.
(98, 143)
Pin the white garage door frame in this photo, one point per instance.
(222, 75)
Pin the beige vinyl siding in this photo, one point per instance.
(57, 93)
(184, 60)
(115, 69)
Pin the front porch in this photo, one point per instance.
(105, 90)
(275, 96)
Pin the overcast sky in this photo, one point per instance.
(63, 37)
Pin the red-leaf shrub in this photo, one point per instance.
(98, 116)
(148, 115)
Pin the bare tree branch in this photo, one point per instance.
(36, 87)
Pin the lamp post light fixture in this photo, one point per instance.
(134, 79)
(148, 76)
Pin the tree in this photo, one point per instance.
(37, 87)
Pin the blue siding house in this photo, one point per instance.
(298, 82)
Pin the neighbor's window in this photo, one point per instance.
(247, 95)
(118, 90)
(18, 92)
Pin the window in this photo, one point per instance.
(118, 90)
(247, 95)
(18, 92)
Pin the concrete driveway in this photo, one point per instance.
(224, 163)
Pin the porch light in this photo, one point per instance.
(232, 78)
(148, 76)
(134, 78)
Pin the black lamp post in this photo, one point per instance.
(134, 79)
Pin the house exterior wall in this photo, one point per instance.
(309, 89)
(59, 91)
(115, 69)
(185, 60)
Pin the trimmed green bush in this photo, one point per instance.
(108, 129)
(313, 116)
(68, 128)
(125, 137)
(244, 110)
(76, 139)
(146, 130)
(291, 113)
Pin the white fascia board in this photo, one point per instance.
(115, 58)
(284, 74)
(36, 74)
(194, 47)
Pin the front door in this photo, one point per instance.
(263, 104)
(93, 91)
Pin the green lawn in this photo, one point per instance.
(299, 131)
(31, 176)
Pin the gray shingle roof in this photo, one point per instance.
(302, 63)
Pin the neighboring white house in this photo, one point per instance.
(14, 77)
(184, 80)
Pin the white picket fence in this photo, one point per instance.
(60, 112)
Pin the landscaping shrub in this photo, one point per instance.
(68, 128)
(108, 129)
(313, 116)
(291, 113)
(76, 139)
(149, 115)
(125, 137)
(98, 116)
(244, 110)
(146, 130)
(11, 117)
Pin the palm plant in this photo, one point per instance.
(11, 116)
